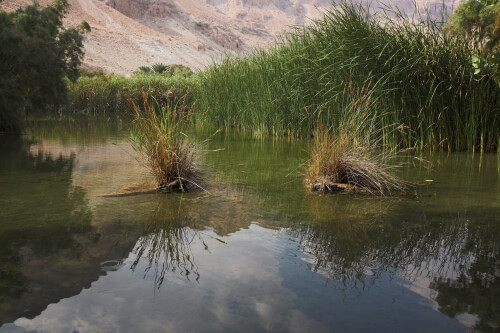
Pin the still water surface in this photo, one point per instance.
(256, 253)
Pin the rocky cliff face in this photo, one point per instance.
(127, 34)
(145, 8)
(234, 25)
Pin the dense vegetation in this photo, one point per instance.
(438, 85)
(423, 79)
(166, 70)
(479, 21)
(98, 92)
(36, 54)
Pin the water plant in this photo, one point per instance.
(429, 81)
(350, 155)
(158, 135)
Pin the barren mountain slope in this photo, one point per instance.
(129, 33)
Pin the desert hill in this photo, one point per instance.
(129, 33)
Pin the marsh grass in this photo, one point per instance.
(426, 78)
(158, 134)
(352, 152)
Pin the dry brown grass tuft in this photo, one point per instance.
(351, 156)
(159, 138)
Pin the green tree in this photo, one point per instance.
(36, 54)
(177, 69)
(479, 21)
(159, 68)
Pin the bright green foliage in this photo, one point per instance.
(479, 22)
(36, 53)
(422, 79)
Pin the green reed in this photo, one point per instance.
(425, 82)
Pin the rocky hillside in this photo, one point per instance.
(129, 33)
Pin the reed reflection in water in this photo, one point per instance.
(165, 244)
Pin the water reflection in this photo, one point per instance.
(42, 214)
(456, 255)
(165, 244)
(258, 253)
(475, 292)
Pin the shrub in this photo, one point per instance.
(110, 93)
(165, 70)
(176, 69)
(144, 69)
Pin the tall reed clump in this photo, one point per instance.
(109, 93)
(429, 84)
(157, 134)
(350, 154)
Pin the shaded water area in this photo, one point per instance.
(256, 253)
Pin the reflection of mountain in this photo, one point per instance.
(37, 221)
(48, 248)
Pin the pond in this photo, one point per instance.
(254, 252)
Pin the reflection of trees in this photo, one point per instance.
(458, 253)
(76, 130)
(476, 288)
(166, 242)
(476, 291)
(41, 214)
(346, 249)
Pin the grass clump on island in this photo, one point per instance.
(427, 81)
(158, 135)
(350, 154)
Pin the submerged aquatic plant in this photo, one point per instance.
(350, 155)
(158, 136)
